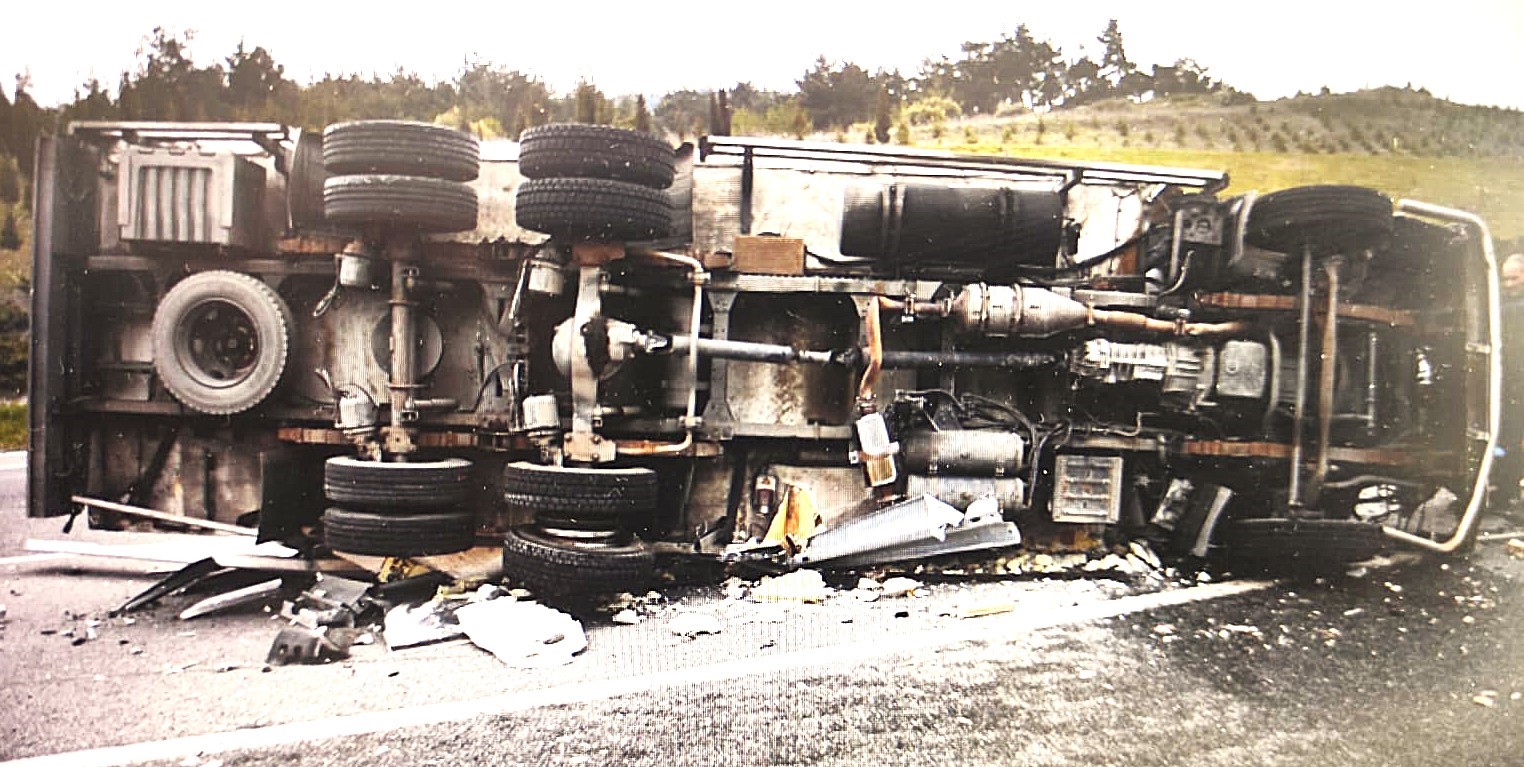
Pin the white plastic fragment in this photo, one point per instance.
(693, 624)
(626, 617)
(798, 586)
(523, 634)
(900, 587)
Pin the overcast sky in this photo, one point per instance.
(1471, 51)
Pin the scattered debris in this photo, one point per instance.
(235, 598)
(1516, 547)
(692, 624)
(797, 586)
(626, 617)
(416, 625)
(981, 609)
(915, 529)
(298, 644)
(900, 587)
(523, 634)
(1486, 698)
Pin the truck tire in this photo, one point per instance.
(400, 202)
(221, 340)
(575, 499)
(384, 487)
(596, 151)
(398, 535)
(400, 147)
(556, 567)
(1329, 219)
(304, 187)
(593, 208)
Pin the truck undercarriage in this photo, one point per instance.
(590, 347)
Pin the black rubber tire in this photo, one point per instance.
(558, 567)
(1313, 542)
(593, 208)
(398, 535)
(221, 341)
(304, 187)
(578, 498)
(1329, 219)
(400, 202)
(382, 487)
(596, 151)
(400, 147)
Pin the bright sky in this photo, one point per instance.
(1470, 51)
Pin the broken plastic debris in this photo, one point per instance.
(795, 522)
(416, 625)
(900, 587)
(798, 586)
(1164, 629)
(626, 617)
(982, 609)
(1516, 547)
(523, 634)
(692, 624)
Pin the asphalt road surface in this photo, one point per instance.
(1414, 664)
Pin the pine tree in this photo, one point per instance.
(642, 115)
(881, 116)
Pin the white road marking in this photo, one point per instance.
(992, 629)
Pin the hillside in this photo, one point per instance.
(1405, 143)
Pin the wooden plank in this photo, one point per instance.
(135, 511)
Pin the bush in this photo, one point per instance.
(931, 111)
(902, 134)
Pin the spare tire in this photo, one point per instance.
(593, 208)
(596, 151)
(400, 147)
(400, 202)
(398, 535)
(380, 486)
(1329, 219)
(560, 567)
(221, 340)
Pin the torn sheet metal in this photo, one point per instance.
(299, 644)
(917, 520)
(235, 598)
(915, 529)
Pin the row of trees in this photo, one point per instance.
(1016, 71)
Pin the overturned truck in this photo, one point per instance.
(588, 346)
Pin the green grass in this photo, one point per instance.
(13, 426)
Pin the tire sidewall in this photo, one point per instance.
(268, 313)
